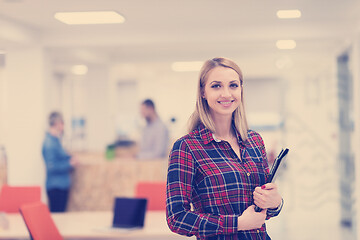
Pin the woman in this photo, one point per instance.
(218, 171)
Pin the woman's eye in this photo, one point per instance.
(234, 85)
(215, 86)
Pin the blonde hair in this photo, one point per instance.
(202, 111)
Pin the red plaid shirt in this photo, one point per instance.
(208, 174)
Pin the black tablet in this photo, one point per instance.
(274, 170)
(275, 166)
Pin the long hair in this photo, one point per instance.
(202, 110)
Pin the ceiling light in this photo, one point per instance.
(79, 69)
(285, 44)
(98, 17)
(288, 13)
(193, 66)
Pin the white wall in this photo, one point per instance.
(25, 76)
(53, 92)
(311, 183)
(97, 116)
(3, 99)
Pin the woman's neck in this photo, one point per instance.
(222, 126)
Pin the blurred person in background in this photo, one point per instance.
(155, 136)
(59, 164)
(218, 171)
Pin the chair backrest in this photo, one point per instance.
(12, 197)
(154, 192)
(39, 222)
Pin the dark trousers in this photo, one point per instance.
(57, 199)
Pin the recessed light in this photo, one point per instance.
(79, 69)
(96, 17)
(285, 44)
(288, 13)
(192, 66)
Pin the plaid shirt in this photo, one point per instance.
(207, 173)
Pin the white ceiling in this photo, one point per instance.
(173, 30)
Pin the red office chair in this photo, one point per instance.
(12, 197)
(39, 222)
(154, 192)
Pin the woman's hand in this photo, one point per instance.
(267, 196)
(251, 219)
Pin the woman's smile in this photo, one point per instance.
(226, 103)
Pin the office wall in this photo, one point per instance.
(2, 104)
(311, 183)
(98, 128)
(25, 75)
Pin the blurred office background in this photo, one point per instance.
(302, 94)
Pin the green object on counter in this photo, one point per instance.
(110, 152)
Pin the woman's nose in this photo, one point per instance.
(226, 92)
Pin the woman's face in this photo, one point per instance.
(222, 91)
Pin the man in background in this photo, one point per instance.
(155, 136)
(58, 163)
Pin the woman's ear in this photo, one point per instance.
(203, 94)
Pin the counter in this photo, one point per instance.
(96, 180)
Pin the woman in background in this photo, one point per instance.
(218, 171)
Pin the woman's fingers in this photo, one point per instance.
(269, 186)
(266, 196)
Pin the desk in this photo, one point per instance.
(86, 225)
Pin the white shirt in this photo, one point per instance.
(155, 140)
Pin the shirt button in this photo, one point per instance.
(248, 174)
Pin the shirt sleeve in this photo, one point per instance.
(180, 218)
(274, 212)
(270, 212)
(160, 141)
(56, 159)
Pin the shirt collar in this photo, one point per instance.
(51, 136)
(215, 139)
(205, 134)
